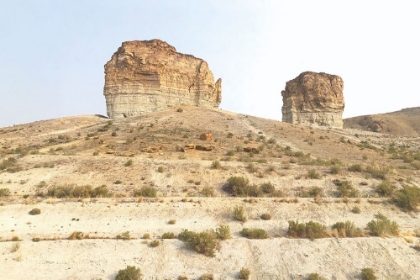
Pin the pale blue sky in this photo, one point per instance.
(52, 52)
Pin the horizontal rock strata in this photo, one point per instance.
(147, 76)
(314, 99)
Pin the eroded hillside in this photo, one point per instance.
(131, 176)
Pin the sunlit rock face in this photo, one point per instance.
(147, 76)
(314, 99)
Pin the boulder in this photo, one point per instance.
(147, 76)
(314, 99)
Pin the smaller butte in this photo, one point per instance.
(314, 99)
(148, 76)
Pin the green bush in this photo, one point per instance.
(382, 226)
(4, 192)
(408, 198)
(35, 211)
(154, 243)
(385, 189)
(223, 232)
(345, 189)
(239, 213)
(128, 163)
(254, 233)
(205, 242)
(207, 276)
(355, 168)
(129, 273)
(77, 191)
(315, 276)
(216, 164)
(348, 228)
(267, 188)
(168, 235)
(244, 273)
(146, 192)
(335, 169)
(160, 169)
(311, 230)
(377, 173)
(368, 274)
(312, 174)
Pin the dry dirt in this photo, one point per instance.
(82, 151)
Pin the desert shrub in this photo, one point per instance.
(312, 192)
(368, 274)
(4, 192)
(168, 235)
(408, 198)
(311, 230)
(205, 242)
(239, 213)
(216, 164)
(223, 232)
(128, 163)
(154, 243)
(239, 186)
(377, 172)
(129, 273)
(244, 273)
(356, 210)
(124, 236)
(207, 192)
(207, 276)
(146, 236)
(230, 153)
(229, 135)
(385, 189)
(266, 216)
(35, 211)
(312, 174)
(254, 233)
(145, 192)
(315, 276)
(345, 189)
(77, 191)
(160, 169)
(182, 278)
(76, 235)
(267, 188)
(382, 226)
(347, 229)
(335, 169)
(252, 167)
(172, 222)
(355, 168)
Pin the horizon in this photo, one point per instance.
(54, 53)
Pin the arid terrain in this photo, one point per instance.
(102, 185)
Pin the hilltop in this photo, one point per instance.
(310, 174)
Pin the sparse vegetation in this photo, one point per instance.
(160, 169)
(382, 226)
(129, 273)
(385, 189)
(254, 233)
(207, 276)
(266, 216)
(35, 211)
(154, 243)
(216, 164)
(223, 232)
(168, 235)
(312, 174)
(4, 192)
(205, 242)
(145, 192)
(244, 273)
(368, 274)
(356, 210)
(239, 214)
(347, 229)
(315, 276)
(345, 189)
(69, 191)
(408, 198)
(311, 230)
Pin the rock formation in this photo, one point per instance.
(314, 99)
(146, 76)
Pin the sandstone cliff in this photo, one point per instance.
(314, 99)
(146, 76)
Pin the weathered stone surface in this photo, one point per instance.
(147, 76)
(314, 99)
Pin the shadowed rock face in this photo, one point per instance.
(147, 76)
(314, 99)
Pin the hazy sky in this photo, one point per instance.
(52, 52)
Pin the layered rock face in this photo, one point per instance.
(314, 99)
(146, 76)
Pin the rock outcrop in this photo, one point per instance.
(314, 99)
(146, 76)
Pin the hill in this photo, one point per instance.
(405, 122)
(103, 185)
